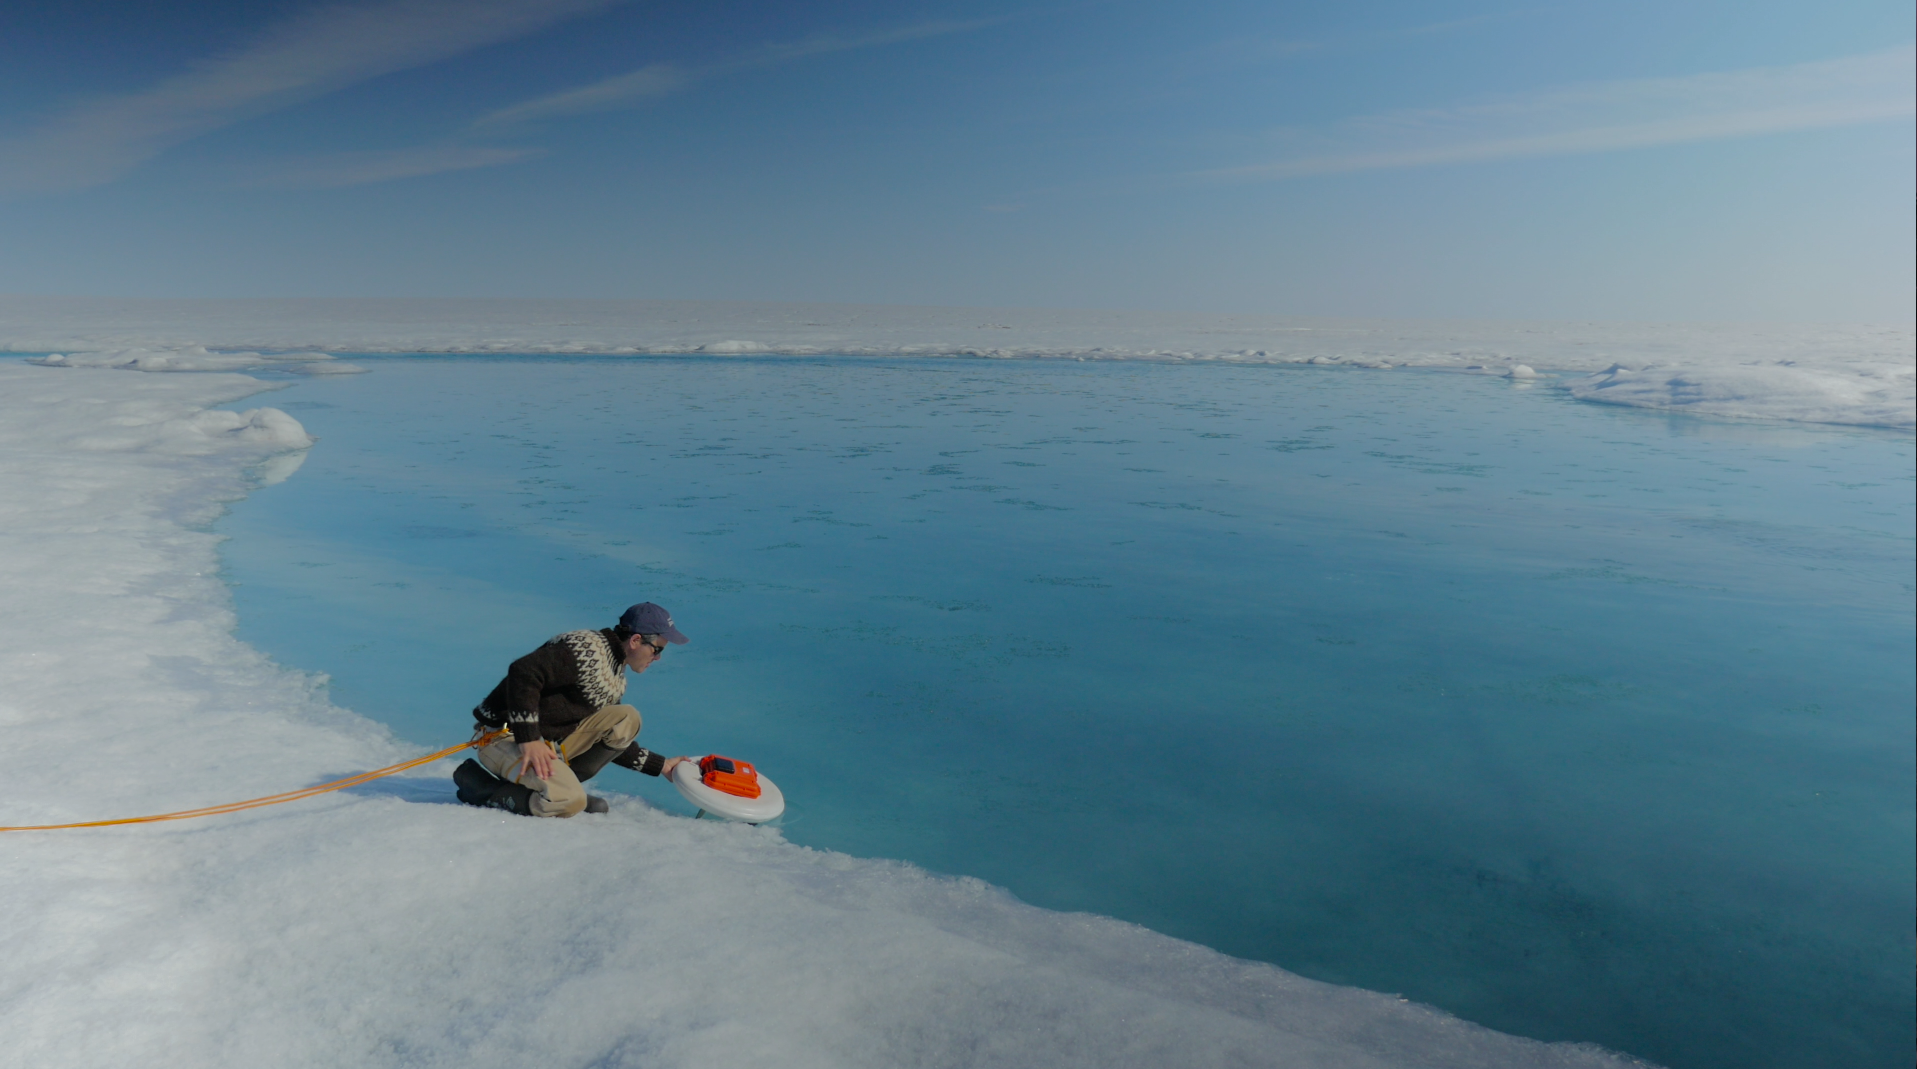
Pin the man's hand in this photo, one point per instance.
(537, 756)
(671, 763)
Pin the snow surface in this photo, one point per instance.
(1856, 374)
(392, 927)
(199, 358)
(1856, 393)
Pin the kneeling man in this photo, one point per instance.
(562, 702)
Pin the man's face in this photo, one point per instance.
(642, 650)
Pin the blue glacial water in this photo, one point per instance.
(1579, 722)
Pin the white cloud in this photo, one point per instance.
(660, 79)
(317, 52)
(655, 80)
(1605, 116)
(364, 168)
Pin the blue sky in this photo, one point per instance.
(1606, 160)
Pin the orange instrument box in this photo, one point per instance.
(732, 777)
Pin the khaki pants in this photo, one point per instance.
(561, 794)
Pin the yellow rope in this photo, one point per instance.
(271, 799)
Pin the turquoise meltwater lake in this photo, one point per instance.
(1580, 722)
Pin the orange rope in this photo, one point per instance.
(271, 799)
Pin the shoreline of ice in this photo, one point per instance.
(1860, 375)
(390, 926)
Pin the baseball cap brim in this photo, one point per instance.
(649, 618)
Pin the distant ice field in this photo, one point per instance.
(1856, 374)
(1581, 722)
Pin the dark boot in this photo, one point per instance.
(590, 764)
(481, 788)
(593, 761)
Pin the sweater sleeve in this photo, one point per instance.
(515, 702)
(640, 759)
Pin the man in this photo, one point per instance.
(562, 703)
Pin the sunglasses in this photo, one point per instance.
(656, 650)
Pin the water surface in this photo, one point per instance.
(1580, 722)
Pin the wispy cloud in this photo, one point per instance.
(317, 52)
(338, 169)
(660, 79)
(626, 90)
(1606, 116)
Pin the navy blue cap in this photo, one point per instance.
(646, 618)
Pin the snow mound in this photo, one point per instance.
(267, 427)
(393, 927)
(1880, 396)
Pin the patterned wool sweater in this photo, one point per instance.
(549, 691)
